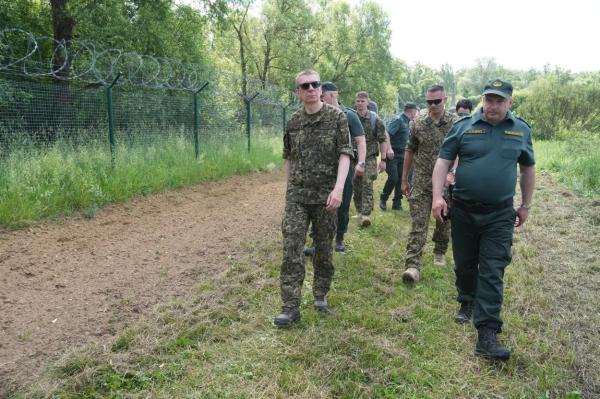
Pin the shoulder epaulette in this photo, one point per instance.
(523, 120)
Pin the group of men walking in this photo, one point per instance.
(331, 153)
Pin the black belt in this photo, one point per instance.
(478, 207)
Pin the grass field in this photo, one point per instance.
(38, 184)
(383, 340)
(575, 161)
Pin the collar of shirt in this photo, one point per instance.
(480, 116)
(446, 117)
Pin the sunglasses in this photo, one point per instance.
(436, 101)
(307, 85)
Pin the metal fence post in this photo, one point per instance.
(197, 121)
(111, 120)
(248, 101)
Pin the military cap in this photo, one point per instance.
(410, 105)
(328, 86)
(498, 87)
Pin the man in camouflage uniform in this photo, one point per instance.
(426, 136)
(317, 151)
(375, 135)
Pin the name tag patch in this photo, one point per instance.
(513, 133)
(475, 131)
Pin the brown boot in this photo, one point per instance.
(439, 259)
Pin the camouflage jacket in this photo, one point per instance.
(372, 136)
(425, 140)
(313, 144)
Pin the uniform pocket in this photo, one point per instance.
(511, 148)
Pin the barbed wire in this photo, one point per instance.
(24, 53)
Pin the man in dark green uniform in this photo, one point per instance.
(398, 131)
(357, 166)
(489, 145)
(317, 151)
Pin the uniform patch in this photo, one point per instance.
(513, 133)
(497, 84)
(475, 131)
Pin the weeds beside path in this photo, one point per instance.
(383, 340)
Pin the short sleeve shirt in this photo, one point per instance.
(354, 124)
(313, 144)
(398, 131)
(488, 156)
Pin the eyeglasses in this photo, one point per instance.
(307, 85)
(436, 101)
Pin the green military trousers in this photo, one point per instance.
(295, 224)
(363, 187)
(481, 244)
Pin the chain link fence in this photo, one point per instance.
(77, 94)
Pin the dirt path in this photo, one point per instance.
(68, 283)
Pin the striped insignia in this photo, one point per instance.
(475, 131)
(513, 133)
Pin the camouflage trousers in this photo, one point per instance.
(420, 211)
(295, 224)
(363, 188)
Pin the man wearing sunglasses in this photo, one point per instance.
(376, 138)
(426, 135)
(489, 145)
(357, 166)
(317, 151)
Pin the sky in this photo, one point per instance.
(518, 34)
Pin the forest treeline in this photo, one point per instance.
(271, 40)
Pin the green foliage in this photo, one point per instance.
(560, 101)
(574, 160)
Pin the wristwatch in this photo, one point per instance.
(362, 164)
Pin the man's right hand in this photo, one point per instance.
(439, 208)
(405, 188)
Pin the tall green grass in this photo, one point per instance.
(43, 183)
(574, 160)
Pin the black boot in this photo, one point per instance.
(488, 345)
(465, 313)
(287, 317)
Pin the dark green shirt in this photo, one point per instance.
(313, 144)
(398, 131)
(488, 156)
(354, 124)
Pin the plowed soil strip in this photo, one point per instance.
(69, 283)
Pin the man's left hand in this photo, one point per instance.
(390, 154)
(381, 166)
(334, 200)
